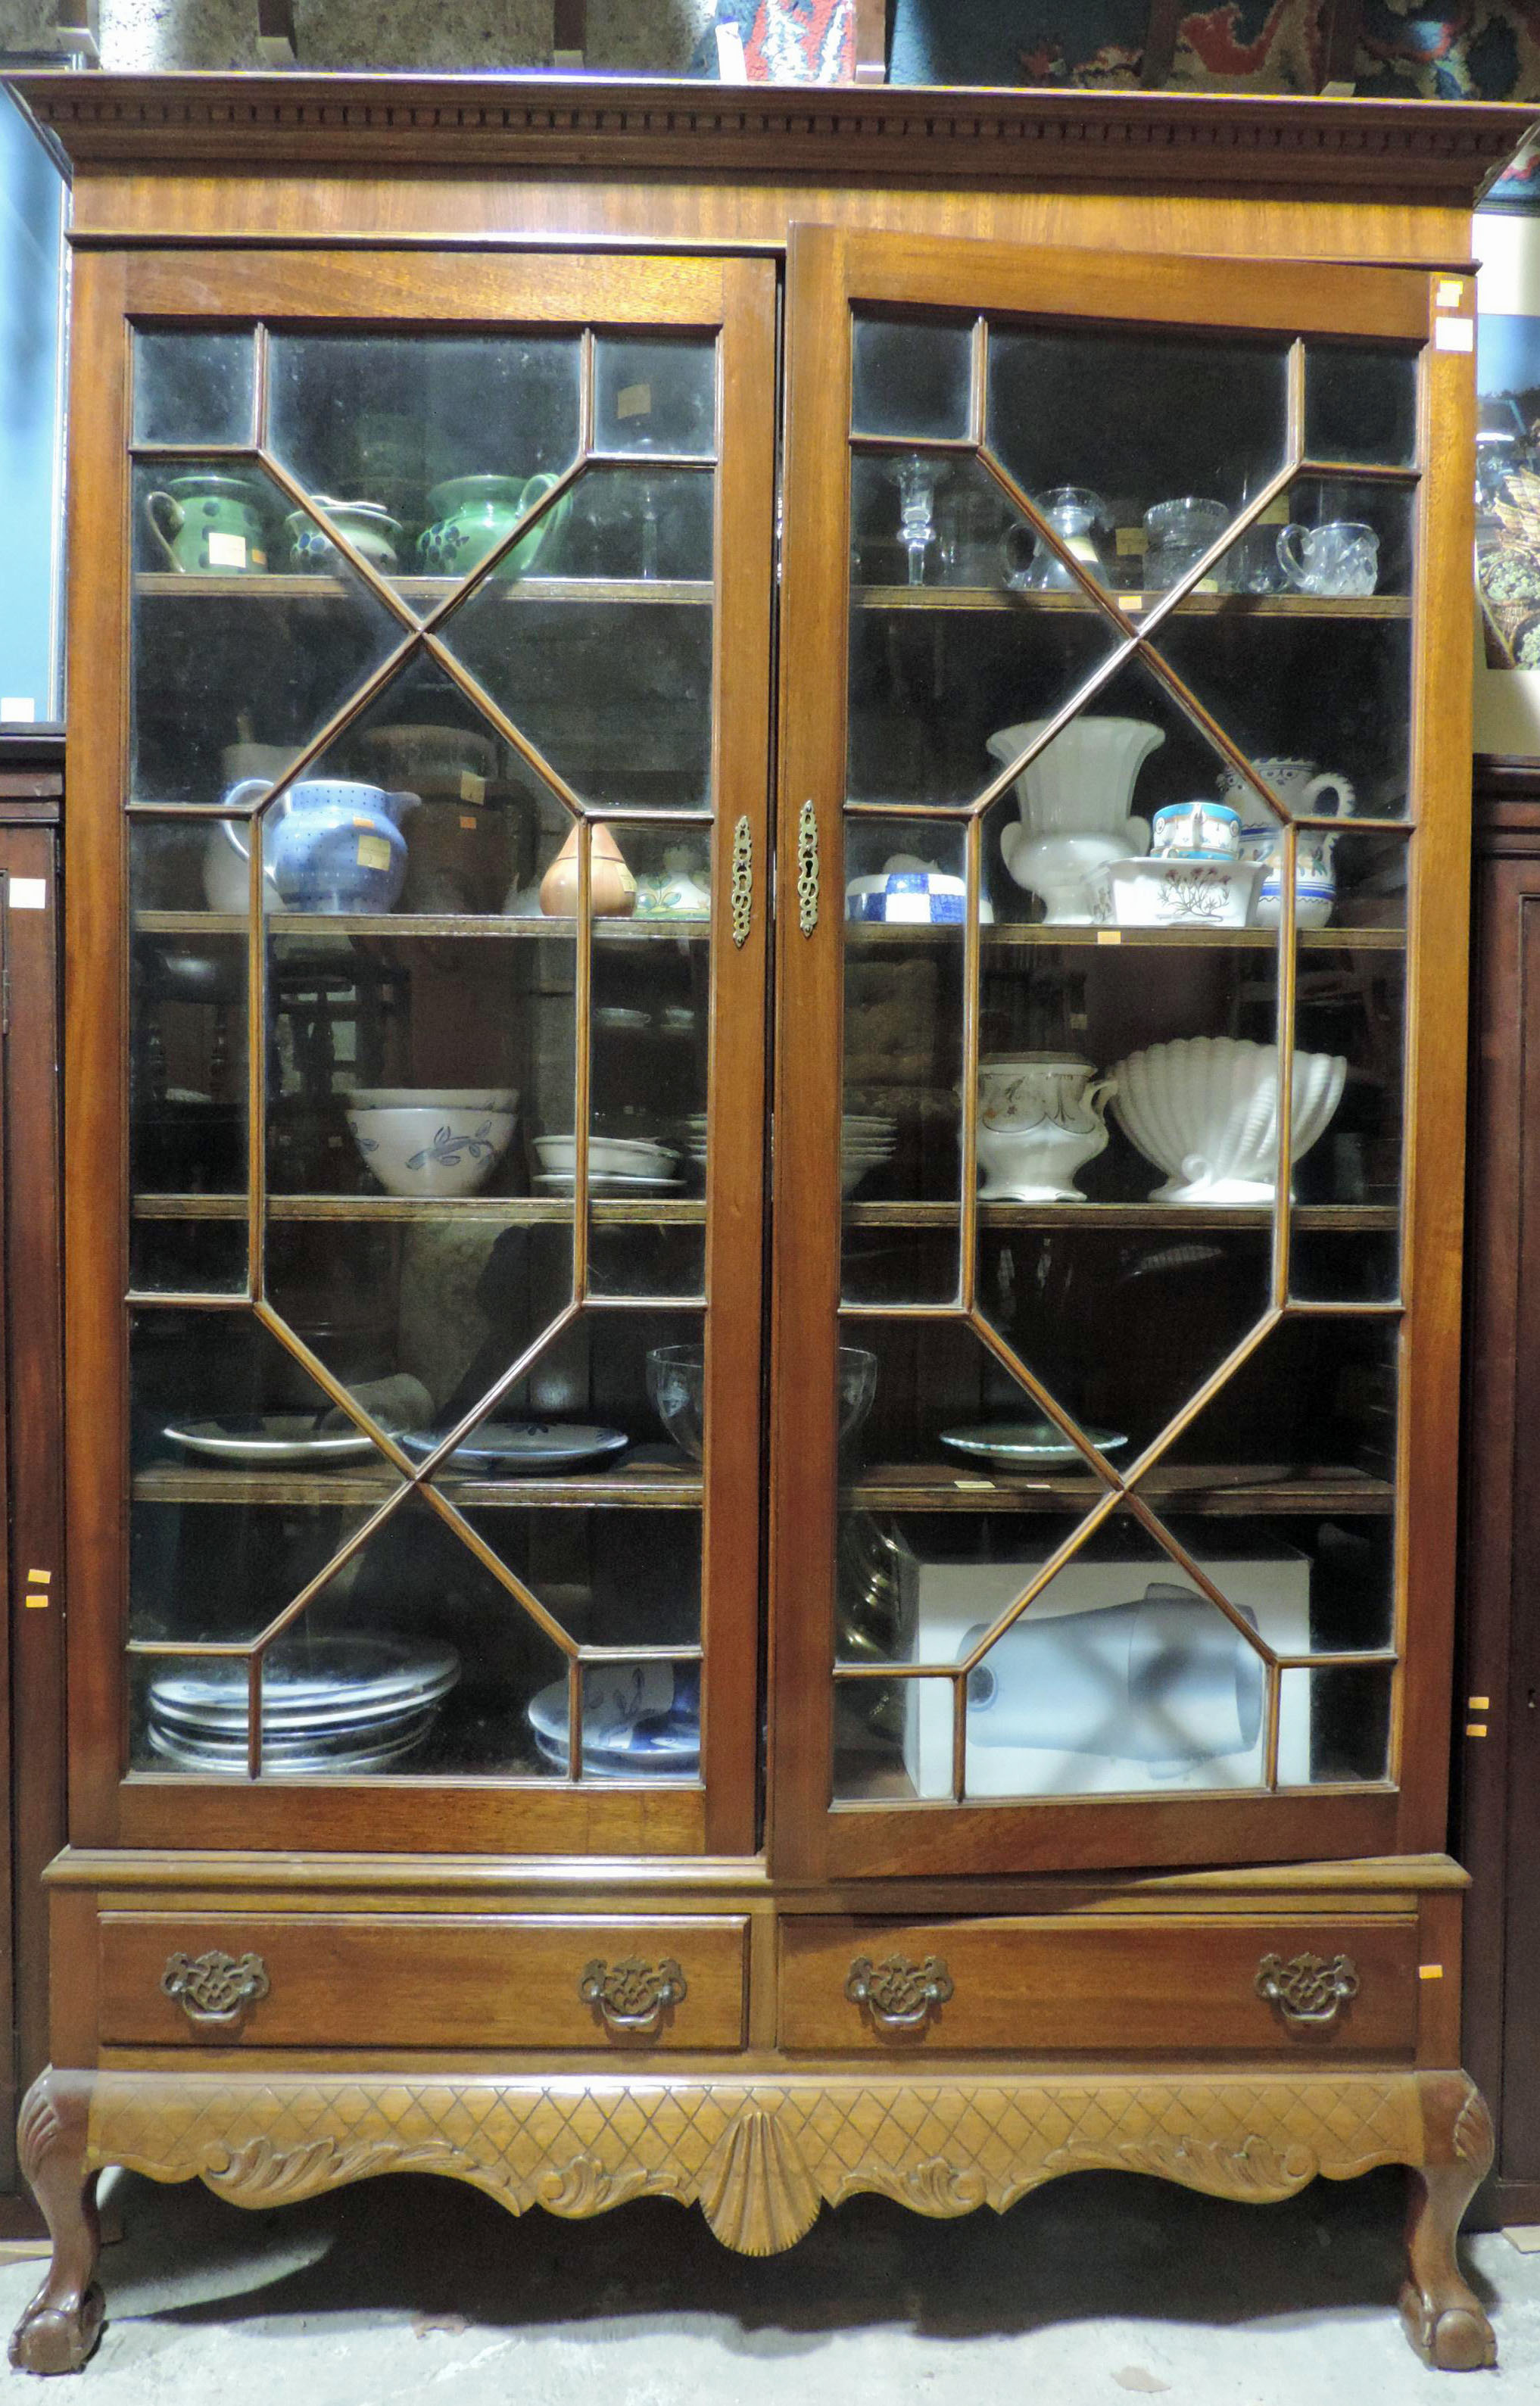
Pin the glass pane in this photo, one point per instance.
(1361, 404)
(1304, 654)
(903, 1058)
(234, 668)
(192, 387)
(603, 659)
(943, 685)
(187, 1069)
(438, 433)
(1347, 1707)
(1170, 424)
(911, 376)
(1319, 1583)
(655, 392)
(608, 1575)
(1349, 1010)
(245, 1480)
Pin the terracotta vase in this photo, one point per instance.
(611, 888)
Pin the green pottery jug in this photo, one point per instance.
(209, 524)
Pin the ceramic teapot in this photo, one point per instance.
(328, 845)
(209, 524)
(472, 513)
(1040, 1118)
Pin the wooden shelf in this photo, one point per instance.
(1320, 1218)
(1286, 606)
(655, 1486)
(509, 1211)
(859, 934)
(1227, 1489)
(415, 923)
(428, 592)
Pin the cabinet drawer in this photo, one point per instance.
(407, 1980)
(1119, 1986)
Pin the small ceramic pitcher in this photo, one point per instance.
(1309, 793)
(1040, 1118)
(330, 845)
(472, 513)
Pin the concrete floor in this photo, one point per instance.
(1095, 2288)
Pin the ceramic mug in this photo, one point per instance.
(472, 513)
(209, 524)
(1200, 831)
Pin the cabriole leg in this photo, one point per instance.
(64, 2321)
(1444, 2320)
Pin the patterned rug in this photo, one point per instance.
(1431, 50)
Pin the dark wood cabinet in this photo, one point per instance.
(1498, 1708)
(32, 1733)
(885, 1564)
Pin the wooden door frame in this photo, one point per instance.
(830, 270)
(735, 297)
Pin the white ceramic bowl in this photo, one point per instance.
(609, 1156)
(1160, 892)
(433, 1098)
(431, 1150)
(1205, 1110)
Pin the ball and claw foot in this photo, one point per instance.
(1444, 2320)
(64, 2321)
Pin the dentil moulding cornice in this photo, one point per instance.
(1433, 150)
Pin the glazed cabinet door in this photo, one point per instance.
(416, 952)
(1120, 991)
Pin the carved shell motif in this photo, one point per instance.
(756, 2193)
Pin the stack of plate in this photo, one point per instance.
(328, 1705)
(867, 1139)
(617, 1164)
(640, 1720)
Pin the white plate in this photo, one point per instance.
(607, 1182)
(273, 1438)
(499, 1446)
(1025, 1442)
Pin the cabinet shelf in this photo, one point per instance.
(428, 592)
(655, 1486)
(512, 1210)
(1255, 939)
(1227, 1490)
(414, 923)
(1286, 606)
(1321, 1218)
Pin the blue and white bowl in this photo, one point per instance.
(915, 898)
(432, 1144)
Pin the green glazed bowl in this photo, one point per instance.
(472, 513)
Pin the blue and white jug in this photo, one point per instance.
(329, 844)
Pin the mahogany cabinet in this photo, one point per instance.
(767, 853)
(1497, 1791)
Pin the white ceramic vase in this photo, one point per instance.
(1078, 790)
(1205, 1110)
(1040, 1118)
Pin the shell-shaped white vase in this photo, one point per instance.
(1205, 1110)
(1082, 783)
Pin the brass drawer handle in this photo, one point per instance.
(216, 1989)
(898, 1994)
(1309, 1992)
(631, 1996)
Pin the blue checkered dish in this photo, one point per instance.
(918, 898)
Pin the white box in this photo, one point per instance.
(950, 1599)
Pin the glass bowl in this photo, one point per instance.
(676, 1385)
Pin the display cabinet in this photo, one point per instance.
(463, 487)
